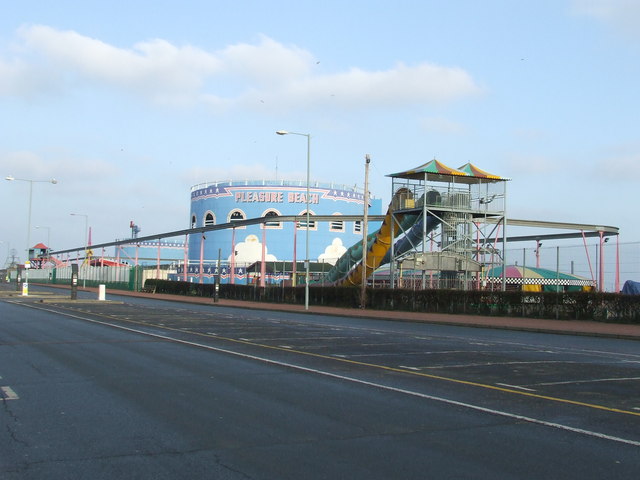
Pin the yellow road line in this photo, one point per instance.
(376, 366)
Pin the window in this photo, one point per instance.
(272, 224)
(357, 226)
(336, 225)
(209, 219)
(193, 221)
(303, 223)
(236, 216)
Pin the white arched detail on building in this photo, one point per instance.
(209, 219)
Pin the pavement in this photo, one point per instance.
(566, 327)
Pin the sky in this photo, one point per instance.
(128, 104)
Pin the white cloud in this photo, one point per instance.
(623, 15)
(333, 252)
(267, 74)
(267, 63)
(11, 75)
(250, 251)
(21, 79)
(397, 87)
(155, 67)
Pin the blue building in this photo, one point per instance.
(239, 247)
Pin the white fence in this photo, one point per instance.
(94, 275)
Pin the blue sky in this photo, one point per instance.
(130, 103)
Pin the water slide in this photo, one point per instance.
(349, 268)
(54, 261)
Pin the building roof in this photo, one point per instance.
(474, 171)
(435, 170)
(541, 275)
(435, 167)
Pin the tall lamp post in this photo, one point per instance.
(306, 261)
(365, 243)
(48, 235)
(86, 230)
(10, 178)
(8, 248)
(48, 249)
(86, 240)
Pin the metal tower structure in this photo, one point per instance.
(449, 221)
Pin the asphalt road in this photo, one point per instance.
(148, 389)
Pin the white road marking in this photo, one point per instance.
(273, 339)
(489, 364)
(8, 394)
(380, 386)
(515, 386)
(594, 380)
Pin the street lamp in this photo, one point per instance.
(10, 178)
(306, 283)
(86, 230)
(86, 240)
(48, 235)
(2, 242)
(365, 243)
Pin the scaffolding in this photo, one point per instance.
(459, 215)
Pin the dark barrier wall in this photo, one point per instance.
(604, 307)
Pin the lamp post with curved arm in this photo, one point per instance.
(10, 178)
(86, 240)
(306, 261)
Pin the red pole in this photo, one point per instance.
(233, 255)
(586, 249)
(263, 266)
(186, 257)
(202, 258)
(601, 280)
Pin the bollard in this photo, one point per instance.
(101, 292)
(74, 281)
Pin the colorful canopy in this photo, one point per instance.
(473, 171)
(432, 166)
(436, 170)
(530, 275)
